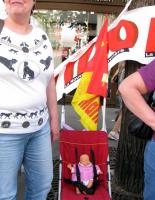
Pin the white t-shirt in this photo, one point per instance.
(26, 66)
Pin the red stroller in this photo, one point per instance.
(73, 143)
(83, 141)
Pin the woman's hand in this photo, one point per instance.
(55, 137)
(55, 130)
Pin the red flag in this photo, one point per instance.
(99, 80)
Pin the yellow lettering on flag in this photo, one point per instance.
(86, 105)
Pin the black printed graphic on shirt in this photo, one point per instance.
(25, 47)
(28, 70)
(8, 63)
(46, 62)
(6, 118)
(13, 51)
(20, 115)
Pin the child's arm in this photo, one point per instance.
(71, 167)
(98, 170)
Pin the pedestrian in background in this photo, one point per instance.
(119, 76)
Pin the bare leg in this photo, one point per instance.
(114, 133)
(117, 124)
(77, 191)
(90, 184)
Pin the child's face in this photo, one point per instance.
(84, 159)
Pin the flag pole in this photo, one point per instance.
(120, 15)
(104, 128)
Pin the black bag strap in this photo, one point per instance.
(1, 25)
(94, 165)
(150, 100)
(77, 167)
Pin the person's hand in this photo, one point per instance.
(69, 166)
(54, 130)
(55, 136)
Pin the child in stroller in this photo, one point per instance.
(86, 172)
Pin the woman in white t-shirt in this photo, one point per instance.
(28, 105)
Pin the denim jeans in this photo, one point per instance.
(33, 150)
(149, 170)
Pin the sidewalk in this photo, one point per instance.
(73, 120)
